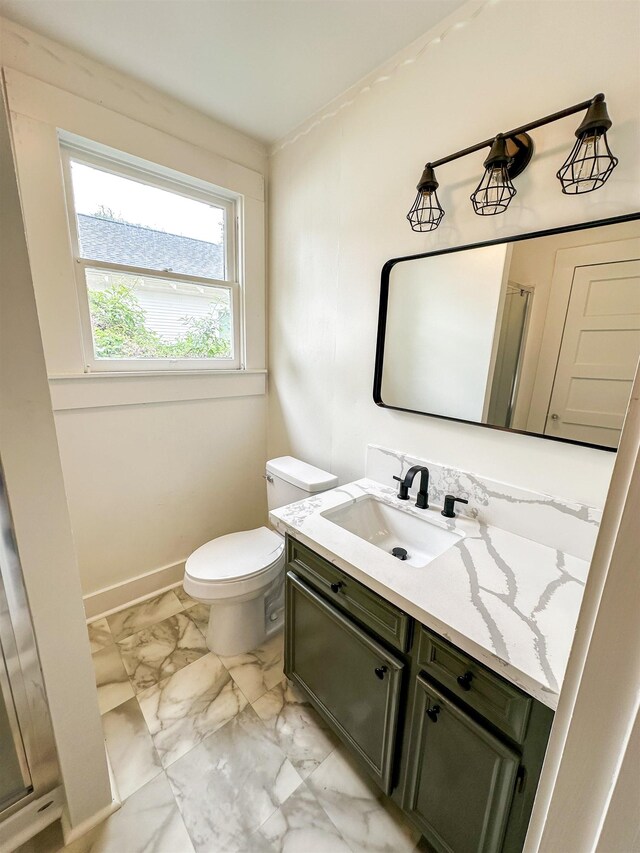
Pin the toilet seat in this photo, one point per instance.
(234, 565)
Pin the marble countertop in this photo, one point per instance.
(508, 601)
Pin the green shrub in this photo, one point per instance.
(119, 329)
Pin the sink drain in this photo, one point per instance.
(400, 553)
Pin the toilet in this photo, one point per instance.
(241, 575)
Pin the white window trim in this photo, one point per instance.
(228, 201)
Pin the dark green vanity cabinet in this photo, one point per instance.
(474, 751)
(344, 646)
(354, 681)
(458, 747)
(461, 777)
(366, 608)
(495, 699)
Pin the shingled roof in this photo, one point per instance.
(108, 240)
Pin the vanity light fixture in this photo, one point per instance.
(495, 190)
(426, 212)
(591, 162)
(587, 167)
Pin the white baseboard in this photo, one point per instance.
(105, 601)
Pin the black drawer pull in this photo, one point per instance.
(380, 671)
(522, 779)
(465, 680)
(432, 713)
(336, 587)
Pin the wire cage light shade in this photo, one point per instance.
(495, 190)
(588, 166)
(426, 212)
(591, 161)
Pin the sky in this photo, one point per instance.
(140, 204)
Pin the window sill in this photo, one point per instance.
(97, 390)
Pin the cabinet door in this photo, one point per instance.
(353, 681)
(461, 777)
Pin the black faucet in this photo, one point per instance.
(449, 503)
(422, 501)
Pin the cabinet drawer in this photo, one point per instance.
(490, 695)
(350, 679)
(383, 618)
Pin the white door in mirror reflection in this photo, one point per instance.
(599, 354)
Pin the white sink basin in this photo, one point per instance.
(389, 528)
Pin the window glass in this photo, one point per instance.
(143, 317)
(125, 221)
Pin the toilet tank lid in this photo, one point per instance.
(301, 474)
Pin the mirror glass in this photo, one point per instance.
(539, 335)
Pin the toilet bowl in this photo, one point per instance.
(241, 575)
(235, 574)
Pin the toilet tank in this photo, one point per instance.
(290, 480)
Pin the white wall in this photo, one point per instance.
(148, 483)
(340, 190)
(441, 322)
(153, 466)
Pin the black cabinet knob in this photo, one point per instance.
(380, 671)
(336, 587)
(465, 680)
(432, 713)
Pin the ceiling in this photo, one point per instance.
(262, 66)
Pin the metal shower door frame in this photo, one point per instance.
(21, 681)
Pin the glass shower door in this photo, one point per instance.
(15, 780)
(29, 781)
(513, 331)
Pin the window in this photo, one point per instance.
(156, 264)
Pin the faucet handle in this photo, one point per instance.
(449, 503)
(403, 490)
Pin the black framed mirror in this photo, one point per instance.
(537, 334)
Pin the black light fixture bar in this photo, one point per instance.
(587, 167)
(532, 125)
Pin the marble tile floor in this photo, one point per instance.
(219, 755)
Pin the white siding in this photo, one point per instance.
(166, 311)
